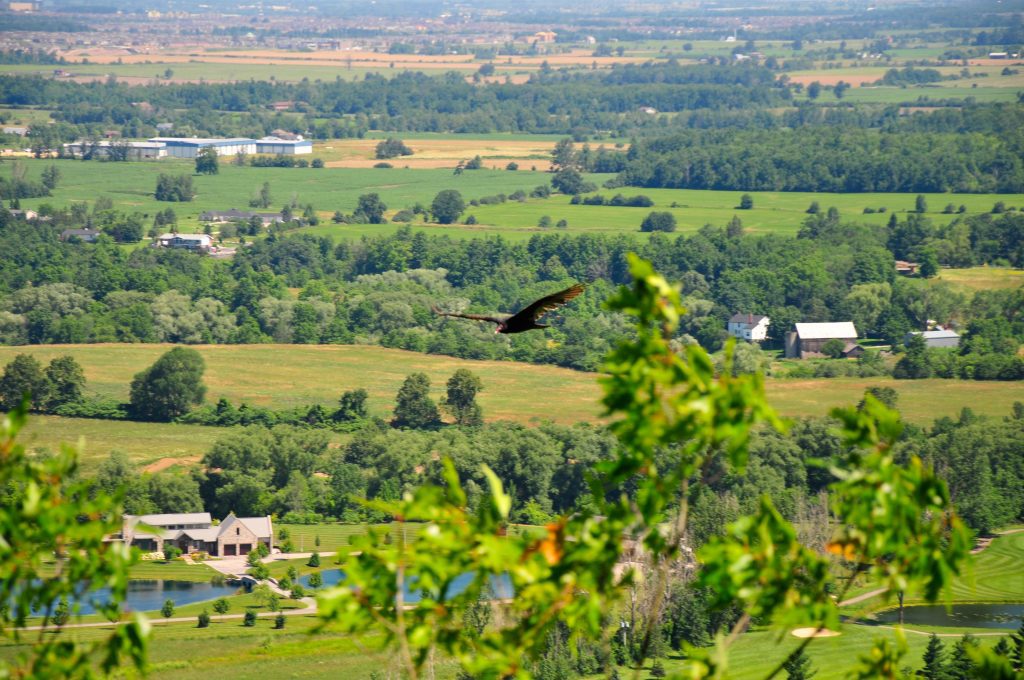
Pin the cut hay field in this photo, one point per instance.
(282, 376)
(974, 279)
(130, 186)
(154, 446)
(442, 153)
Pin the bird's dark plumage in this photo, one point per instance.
(526, 318)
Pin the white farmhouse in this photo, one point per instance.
(751, 327)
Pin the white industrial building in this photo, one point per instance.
(288, 147)
(189, 147)
(136, 151)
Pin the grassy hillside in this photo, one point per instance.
(282, 376)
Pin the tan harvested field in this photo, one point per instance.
(440, 153)
(833, 78)
(353, 58)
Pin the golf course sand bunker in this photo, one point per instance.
(814, 633)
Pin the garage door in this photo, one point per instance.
(229, 550)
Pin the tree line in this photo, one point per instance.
(380, 290)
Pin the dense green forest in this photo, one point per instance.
(257, 471)
(380, 290)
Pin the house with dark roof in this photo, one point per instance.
(235, 215)
(195, 532)
(750, 327)
(85, 235)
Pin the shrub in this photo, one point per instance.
(314, 560)
(298, 592)
(383, 165)
(203, 619)
(221, 606)
(833, 348)
(542, 191)
(746, 202)
(168, 609)
(562, 224)
(391, 148)
(403, 216)
(544, 222)
(172, 552)
(513, 166)
(250, 618)
(659, 221)
(279, 621)
(317, 163)
(471, 219)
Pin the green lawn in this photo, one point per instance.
(175, 570)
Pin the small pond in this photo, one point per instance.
(148, 595)
(501, 586)
(1005, 616)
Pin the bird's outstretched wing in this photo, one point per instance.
(546, 304)
(474, 317)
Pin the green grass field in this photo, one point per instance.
(130, 187)
(145, 442)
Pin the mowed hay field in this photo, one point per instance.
(283, 376)
(442, 153)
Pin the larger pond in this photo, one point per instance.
(501, 586)
(149, 595)
(1005, 616)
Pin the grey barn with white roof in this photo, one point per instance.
(939, 338)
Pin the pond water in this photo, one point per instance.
(149, 595)
(501, 586)
(1005, 616)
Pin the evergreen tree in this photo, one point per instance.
(414, 408)
(934, 660)
(1017, 641)
(799, 667)
(961, 666)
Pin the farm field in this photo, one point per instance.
(199, 64)
(130, 186)
(442, 153)
(292, 375)
(163, 445)
(974, 279)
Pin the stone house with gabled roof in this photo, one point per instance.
(195, 532)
